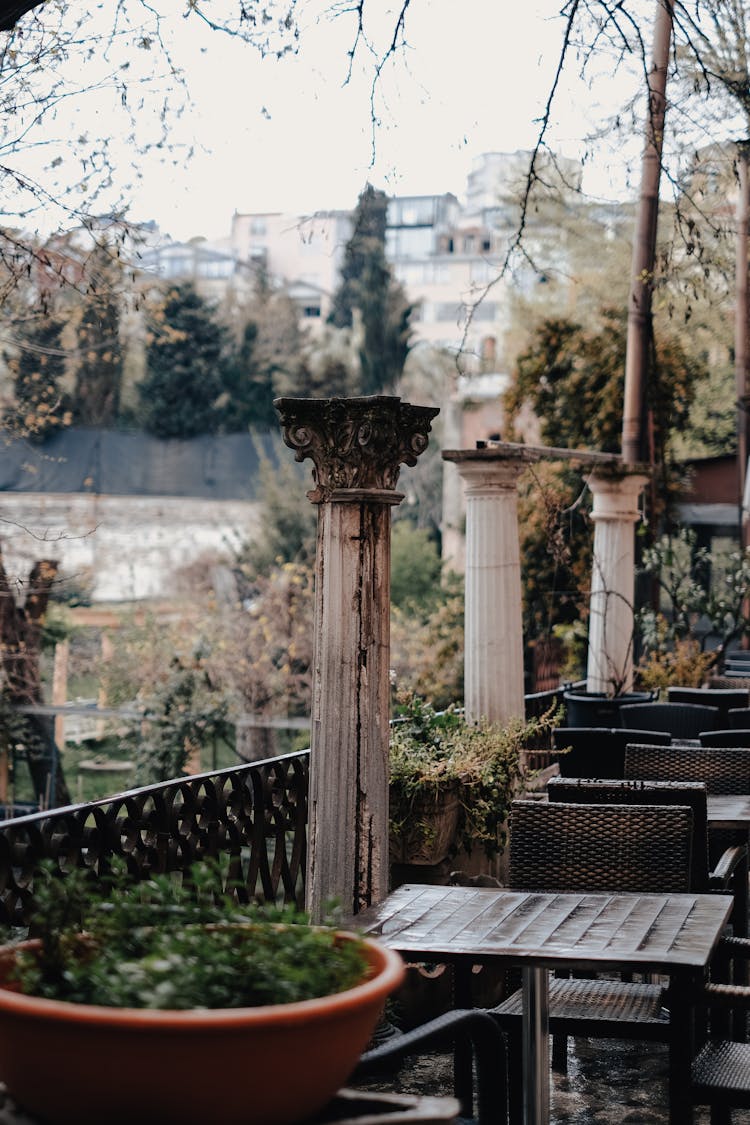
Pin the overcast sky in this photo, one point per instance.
(295, 135)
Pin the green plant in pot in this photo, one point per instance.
(131, 998)
(451, 782)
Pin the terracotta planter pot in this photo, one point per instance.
(79, 1064)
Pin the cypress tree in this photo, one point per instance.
(368, 288)
(180, 392)
(99, 375)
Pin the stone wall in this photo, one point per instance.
(128, 547)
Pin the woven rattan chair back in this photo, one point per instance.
(569, 847)
(612, 791)
(725, 770)
(681, 720)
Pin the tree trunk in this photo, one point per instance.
(637, 351)
(20, 648)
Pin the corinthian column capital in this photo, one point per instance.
(354, 443)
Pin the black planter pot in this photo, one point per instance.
(596, 709)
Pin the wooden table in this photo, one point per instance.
(729, 812)
(674, 935)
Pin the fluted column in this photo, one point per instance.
(610, 659)
(357, 446)
(493, 624)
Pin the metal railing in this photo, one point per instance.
(251, 818)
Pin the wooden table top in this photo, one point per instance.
(658, 932)
(729, 812)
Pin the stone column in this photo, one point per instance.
(493, 623)
(610, 661)
(357, 446)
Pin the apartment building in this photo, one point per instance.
(301, 252)
(454, 259)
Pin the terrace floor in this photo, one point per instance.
(608, 1083)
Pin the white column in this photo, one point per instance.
(452, 526)
(615, 512)
(493, 625)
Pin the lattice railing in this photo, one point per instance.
(252, 817)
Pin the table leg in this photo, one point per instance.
(536, 1070)
(463, 1080)
(681, 999)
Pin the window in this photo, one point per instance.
(450, 311)
(258, 225)
(487, 310)
(311, 311)
(176, 265)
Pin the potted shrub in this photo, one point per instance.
(451, 782)
(154, 999)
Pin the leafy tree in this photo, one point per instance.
(427, 652)
(268, 358)
(288, 525)
(367, 288)
(178, 396)
(556, 548)
(415, 568)
(573, 380)
(99, 374)
(183, 715)
(38, 370)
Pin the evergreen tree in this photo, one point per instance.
(183, 382)
(99, 375)
(368, 288)
(247, 398)
(38, 369)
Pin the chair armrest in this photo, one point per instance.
(486, 1038)
(733, 947)
(727, 995)
(722, 874)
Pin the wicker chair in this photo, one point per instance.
(725, 770)
(723, 698)
(563, 847)
(475, 1030)
(731, 737)
(597, 751)
(729, 874)
(720, 1074)
(739, 718)
(681, 720)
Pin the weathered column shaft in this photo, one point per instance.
(348, 821)
(357, 446)
(615, 511)
(493, 623)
